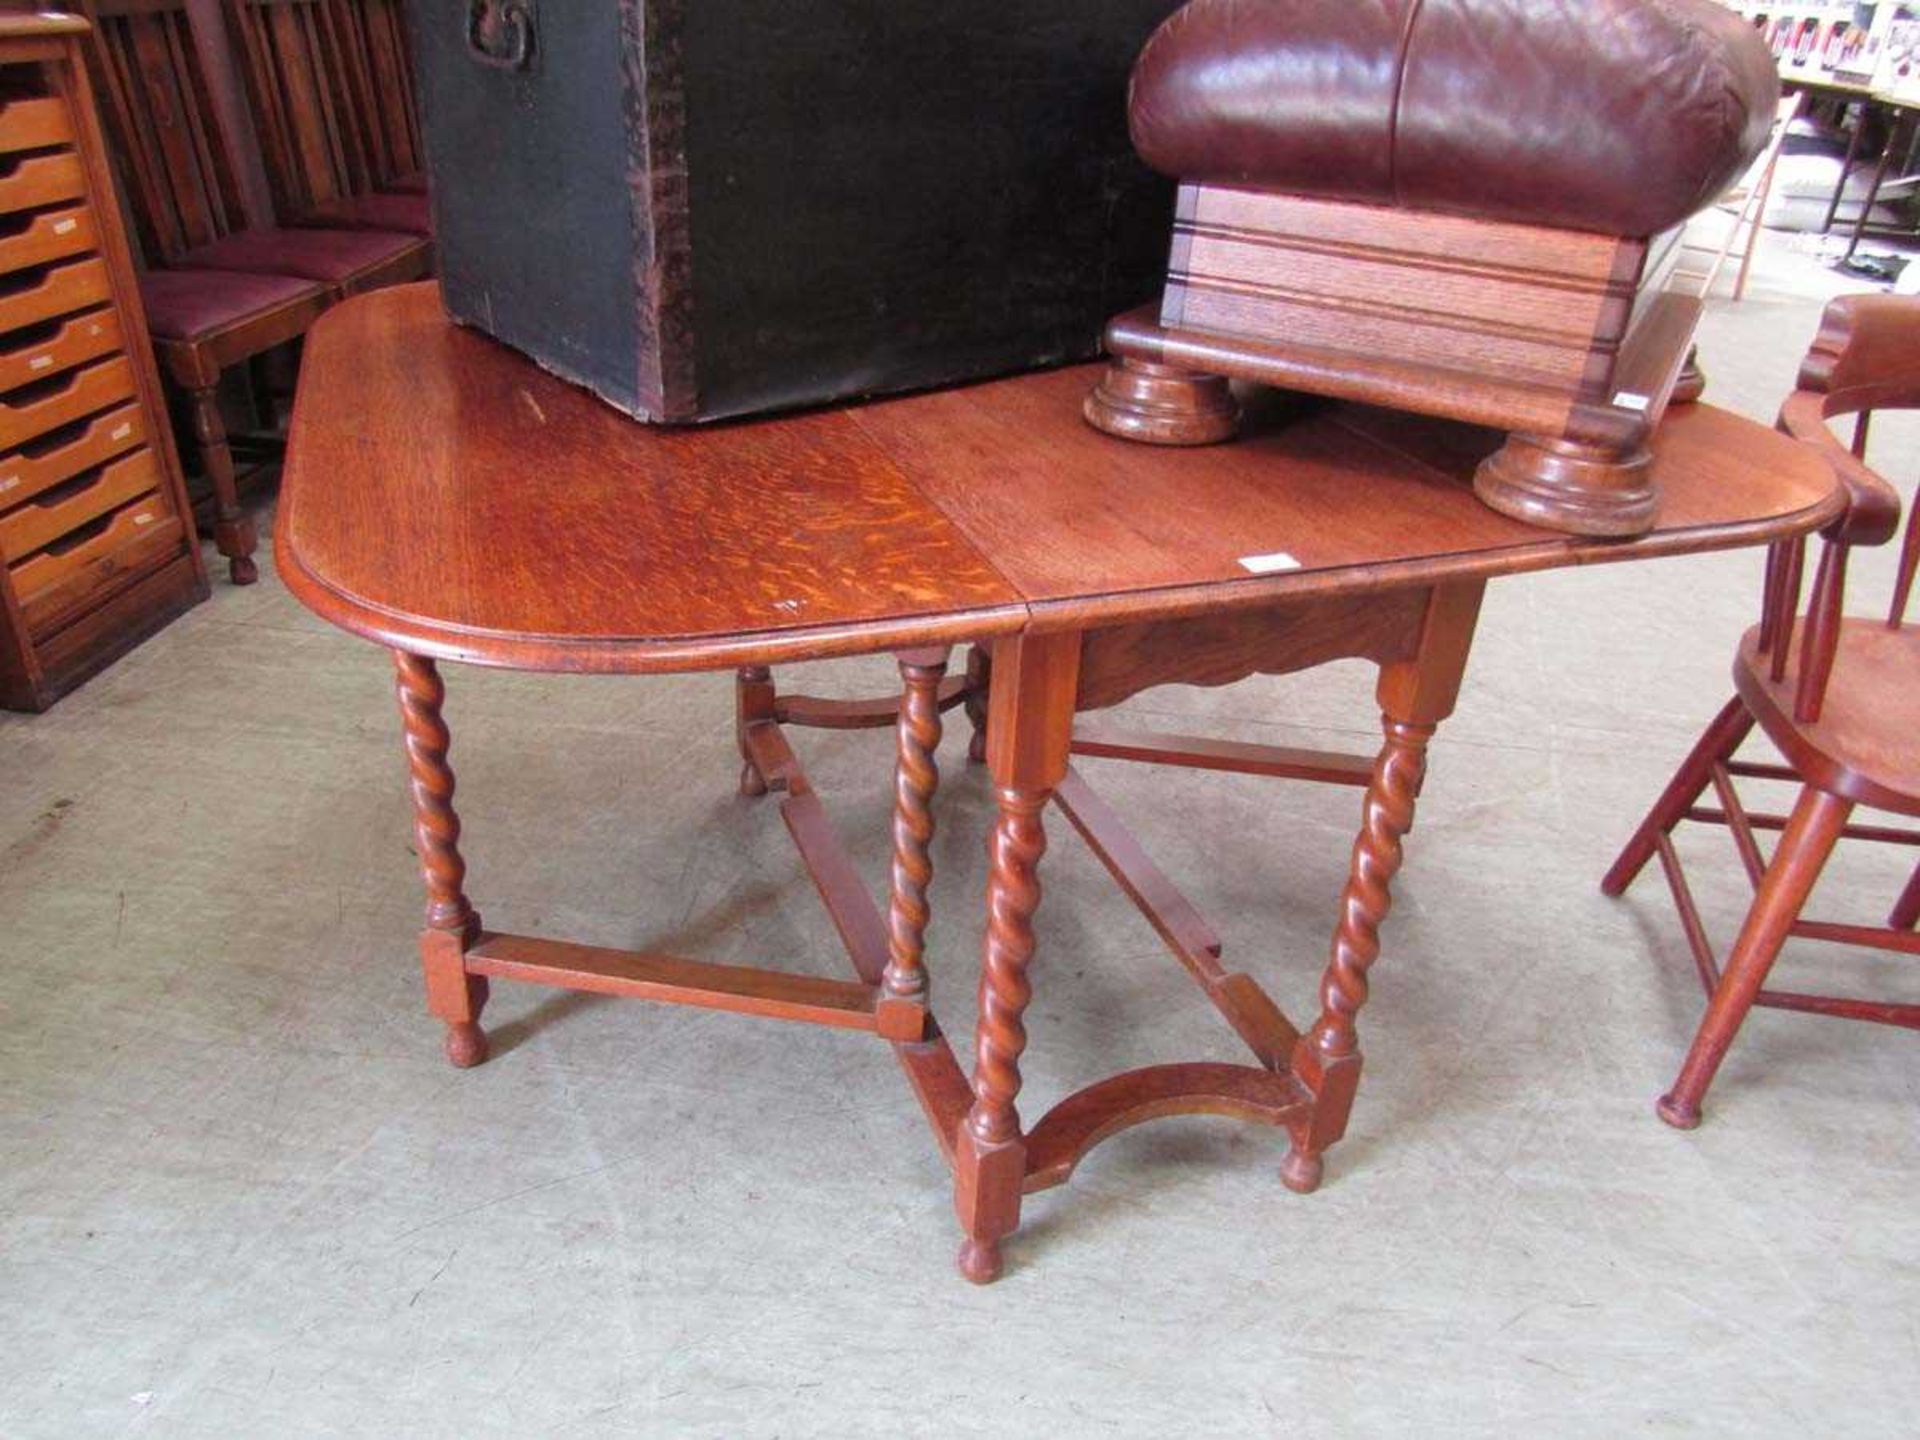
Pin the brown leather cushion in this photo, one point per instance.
(187, 304)
(1620, 116)
(330, 255)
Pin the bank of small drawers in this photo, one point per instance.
(83, 502)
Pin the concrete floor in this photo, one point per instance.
(241, 1194)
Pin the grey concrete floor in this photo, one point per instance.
(241, 1194)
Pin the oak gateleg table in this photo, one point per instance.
(446, 498)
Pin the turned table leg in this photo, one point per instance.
(1386, 816)
(916, 775)
(452, 925)
(979, 683)
(1029, 733)
(1415, 695)
(753, 704)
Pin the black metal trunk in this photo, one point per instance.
(703, 208)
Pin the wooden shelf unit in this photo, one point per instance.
(97, 549)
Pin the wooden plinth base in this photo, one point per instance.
(1576, 460)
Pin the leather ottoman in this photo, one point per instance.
(1467, 208)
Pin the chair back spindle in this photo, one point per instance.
(301, 85)
(377, 65)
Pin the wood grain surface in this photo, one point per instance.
(445, 495)
(1093, 529)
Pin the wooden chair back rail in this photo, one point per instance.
(181, 179)
(293, 57)
(1866, 358)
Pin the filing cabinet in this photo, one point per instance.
(97, 549)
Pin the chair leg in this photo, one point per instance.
(1817, 820)
(1716, 743)
(1906, 910)
(233, 532)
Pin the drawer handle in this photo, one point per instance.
(500, 33)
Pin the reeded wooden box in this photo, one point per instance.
(718, 208)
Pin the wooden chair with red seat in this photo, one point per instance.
(1838, 696)
(202, 322)
(218, 291)
(161, 103)
(324, 152)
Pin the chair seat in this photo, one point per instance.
(414, 184)
(188, 305)
(335, 256)
(1866, 744)
(403, 213)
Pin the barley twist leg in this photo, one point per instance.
(1333, 1044)
(916, 776)
(452, 925)
(992, 1160)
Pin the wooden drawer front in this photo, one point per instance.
(26, 473)
(30, 124)
(66, 508)
(41, 180)
(70, 342)
(53, 235)
(43, 407)
(72, 286)
(55, 581)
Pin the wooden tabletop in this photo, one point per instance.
(445, 495)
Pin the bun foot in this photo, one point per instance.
(1567, 486)
(1679, 1116)
(1161, 405)
(751, 785)
(980, 1261)
(242, 570)
(1301, 1171)
(1692, 383)
(466, 1044)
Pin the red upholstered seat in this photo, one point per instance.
(414, 184)
(330, 255)
(404, 213)
(187, 304)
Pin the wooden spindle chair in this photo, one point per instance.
(1838, 696)
(316, 110)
